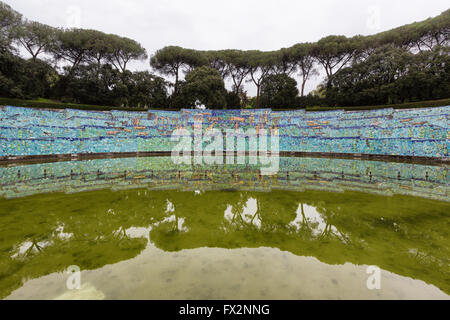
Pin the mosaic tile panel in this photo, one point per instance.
(412, 132)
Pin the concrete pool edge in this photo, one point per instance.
(11, 160)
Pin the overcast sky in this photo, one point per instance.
(236, 24)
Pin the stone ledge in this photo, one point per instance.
(86, 156)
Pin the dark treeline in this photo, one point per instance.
(405, 64)
(77, 65)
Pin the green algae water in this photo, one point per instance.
(140, 229)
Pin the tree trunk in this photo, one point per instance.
(98, 67)
(257, 95)
(303, 88)
(176, 82)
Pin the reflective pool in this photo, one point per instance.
(143, 229)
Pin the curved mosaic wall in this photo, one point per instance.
(412, 132)
(296, 174)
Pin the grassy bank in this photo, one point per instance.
(409, 105)
(43, 103)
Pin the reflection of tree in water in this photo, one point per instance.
(339, 228)
(97, 223)
(242, 212)
(202, 215)
(279, 213)
(92, 229)
(34, 245)
(314, 222)
(276, 210)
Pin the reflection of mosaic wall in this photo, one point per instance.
(160, 173)
(415, 132)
